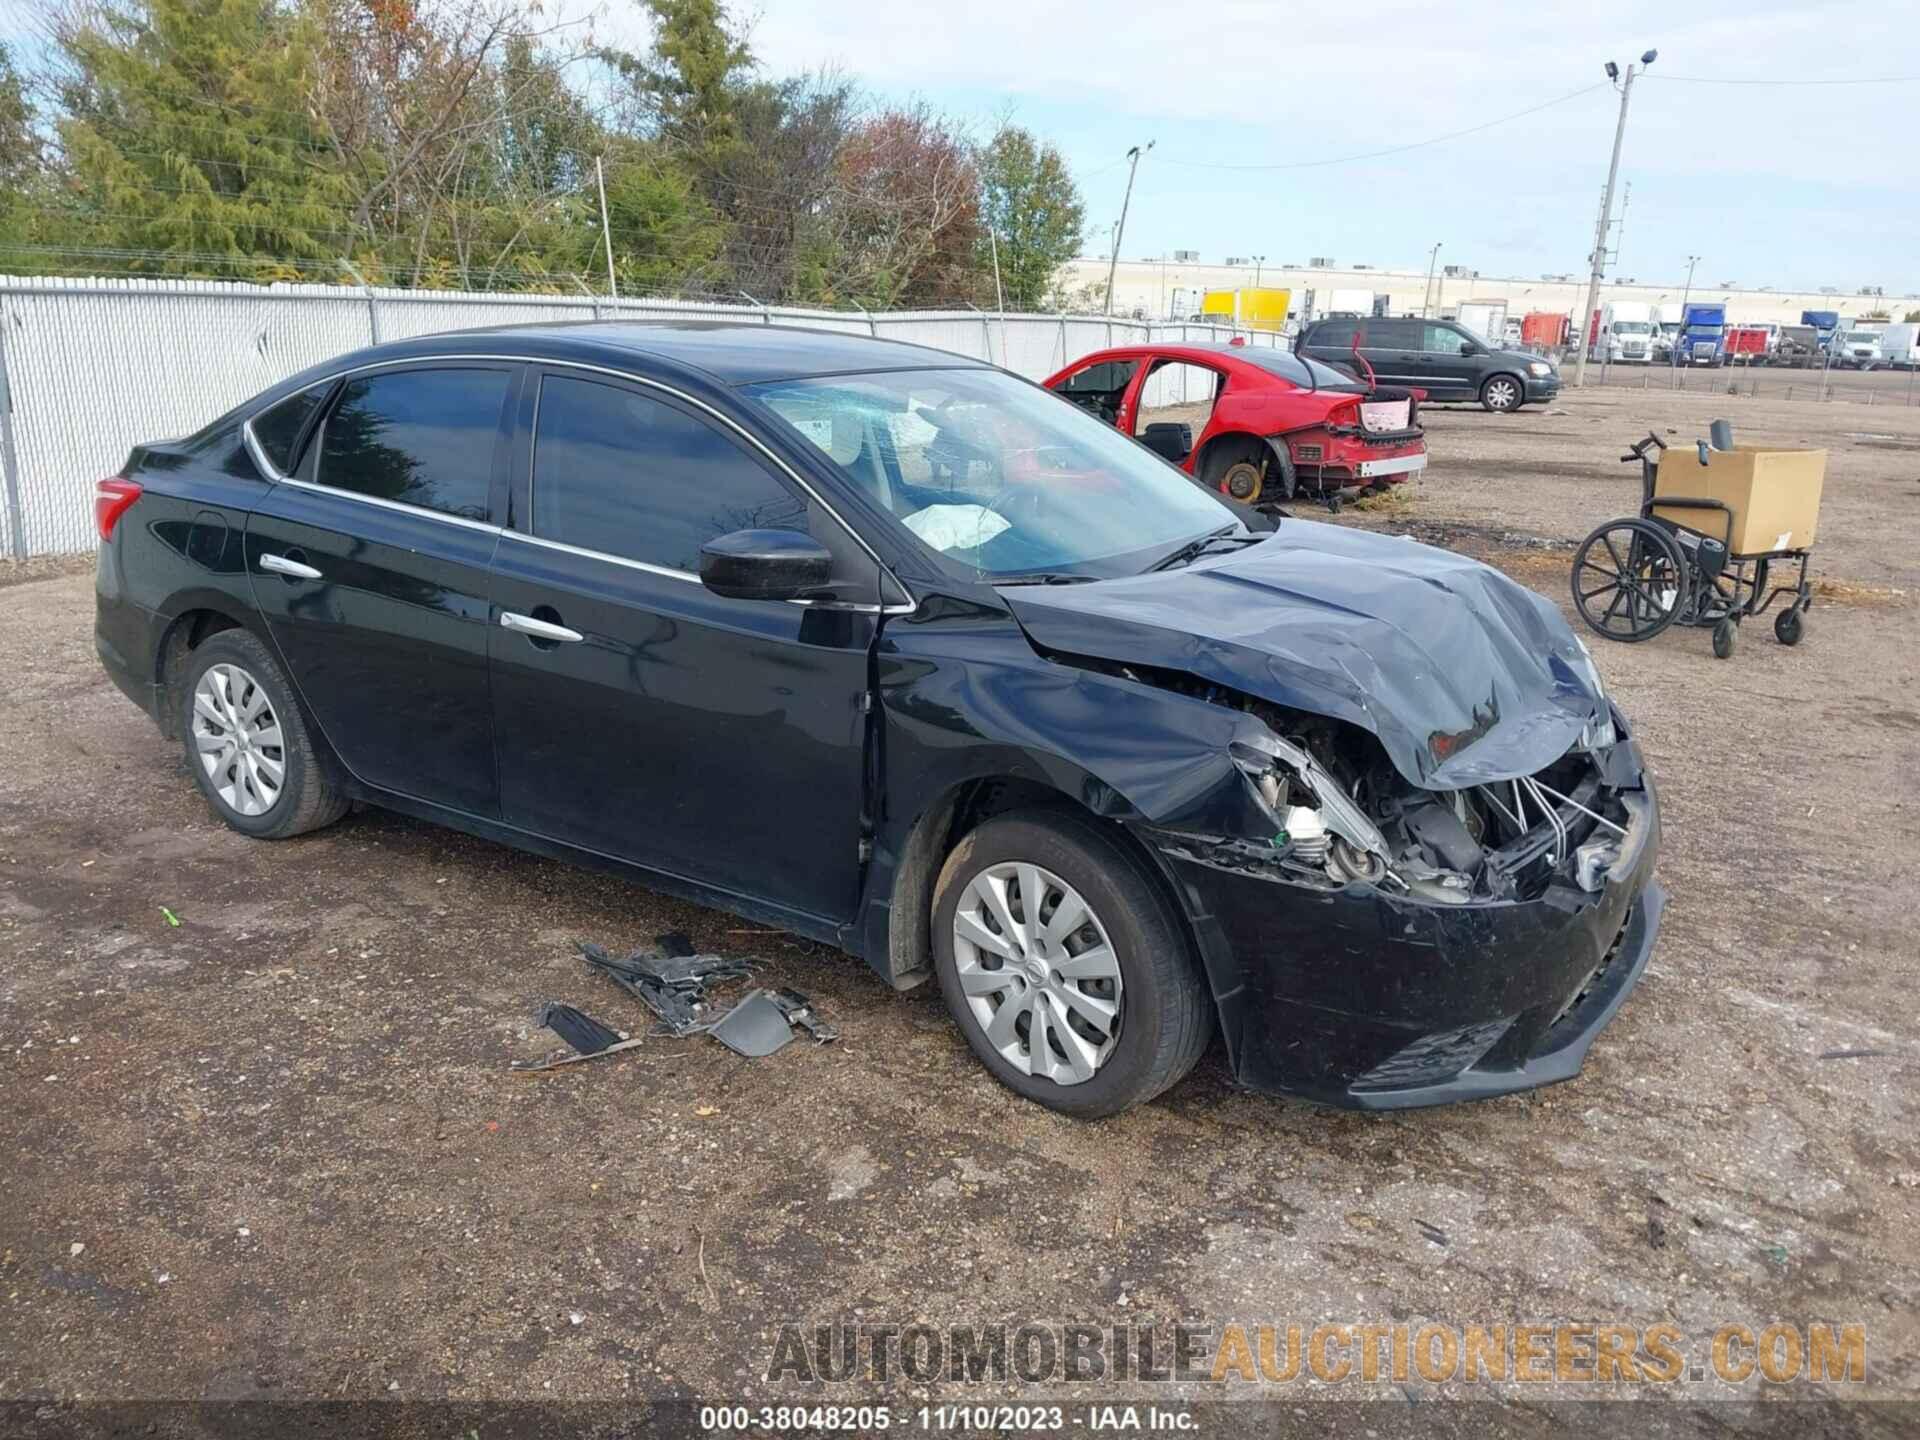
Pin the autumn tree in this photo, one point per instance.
(1029, 200)
(905, 211)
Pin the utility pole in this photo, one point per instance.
(1121, 229)
(1426, 295)
(999, 296)
(1585, 318)
(606, 232)
(1673, 354)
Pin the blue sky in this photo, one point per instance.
(1793, 186)
(1789, 186)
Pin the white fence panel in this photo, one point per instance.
(94, 368)
(967, 333)
(89, 368)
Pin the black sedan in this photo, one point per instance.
(899, 652)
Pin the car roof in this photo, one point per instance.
(730, 352)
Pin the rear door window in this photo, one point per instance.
(628, 475)
(421, 437)
(1391, 335)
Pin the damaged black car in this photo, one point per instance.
(899, 652)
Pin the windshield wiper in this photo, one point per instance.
(1044, 577)
(1193, 549)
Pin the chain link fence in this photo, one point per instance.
(89, 368)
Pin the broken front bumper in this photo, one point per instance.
(1369, 1000)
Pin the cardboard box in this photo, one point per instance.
(1774, 494)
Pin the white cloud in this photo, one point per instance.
(1773, 179)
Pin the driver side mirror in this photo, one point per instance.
(1467, 347)
(764, 565)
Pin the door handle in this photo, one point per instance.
(293, 569)
(538, 629)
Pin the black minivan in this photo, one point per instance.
(900, 652)
(1443, 358)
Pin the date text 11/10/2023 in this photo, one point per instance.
(935, 1419)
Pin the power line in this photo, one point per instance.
(1396, 149)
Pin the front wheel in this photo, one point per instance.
(1066, 968)
(1501, 394)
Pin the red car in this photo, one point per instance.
(1279, 423)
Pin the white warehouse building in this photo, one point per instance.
(1170, 289)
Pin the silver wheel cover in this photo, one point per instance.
(237, 738)
(1039, 974)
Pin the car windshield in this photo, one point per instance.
(1861, 337)
(996, 477)
(1631, 327)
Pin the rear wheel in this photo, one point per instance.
(1067, 970)
(1502, 393)
(1239, 470)
(247, 743)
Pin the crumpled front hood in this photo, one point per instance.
(1464, 675)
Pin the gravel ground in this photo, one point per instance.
(274, 1151)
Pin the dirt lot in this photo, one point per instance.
(274, 1151)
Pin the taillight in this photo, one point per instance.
(111, 498)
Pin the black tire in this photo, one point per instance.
(1726, 635)
(1630, 580)
(1790, 626)
(1166, 1014)
(307, 797)
(1503, 394)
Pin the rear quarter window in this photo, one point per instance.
(279, 431)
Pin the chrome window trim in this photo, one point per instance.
(273, 473)
(669, 573)
(641, 565)
(484, 526)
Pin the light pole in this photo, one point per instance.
(1426, 295)
(1258, 261)
(1585, 318)
(1121, 229)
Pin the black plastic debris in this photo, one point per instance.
(585, 1034)
(674, 944)
(764, 1020)
(673, 987)
(800, 1011)
(756, 1027)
